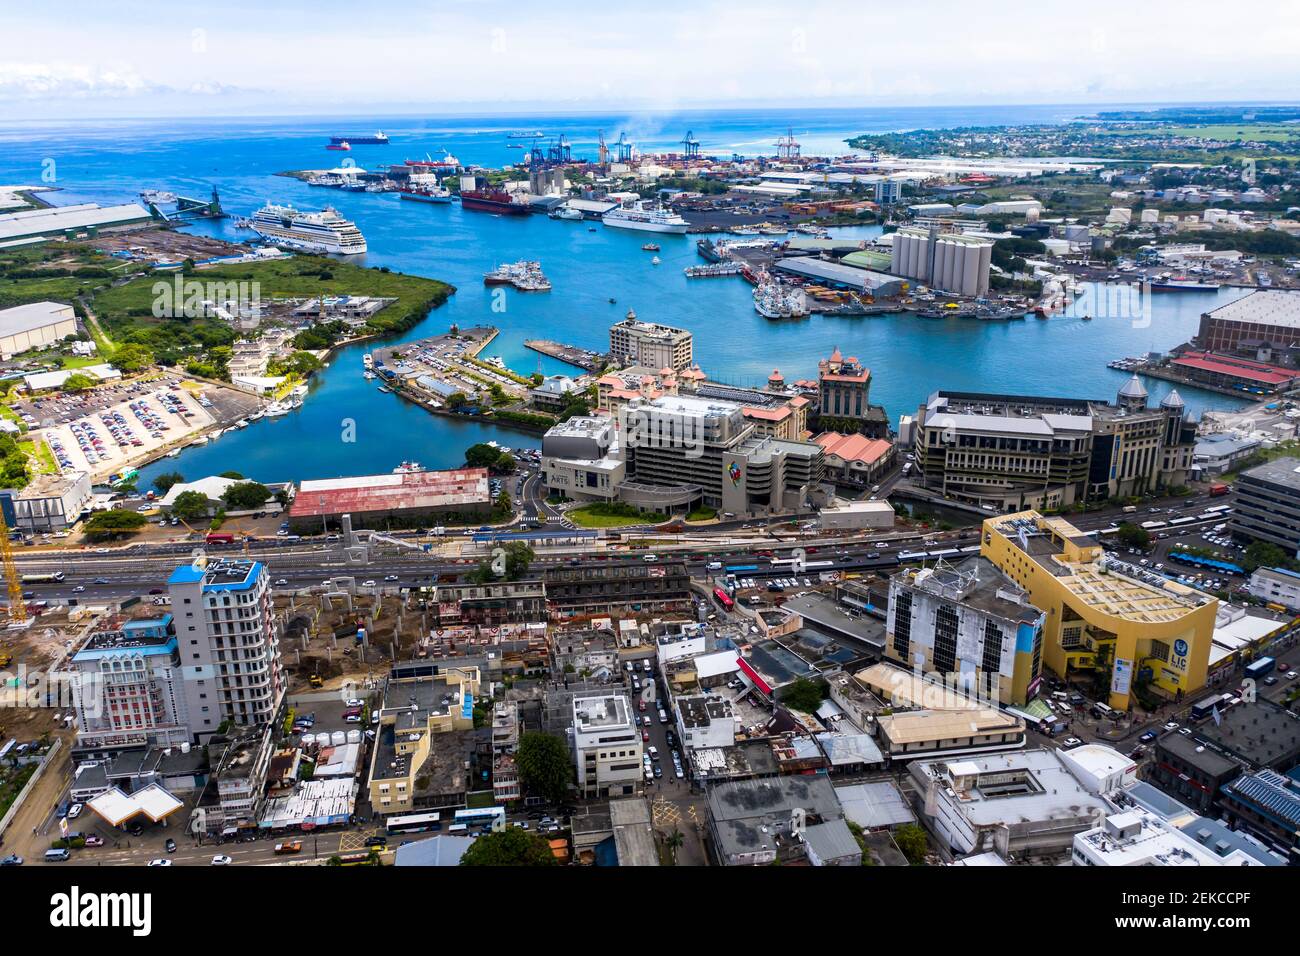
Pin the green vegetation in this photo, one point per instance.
(702, 513)
(612, 514)
(165, 481)
(105, 525)
(804, 695)
(517, 557)
(1132, 536)
(15, 468)
(12, 781)
(545, 769)
(77, 382)
(1263, 554)
(484, 455)
(245, 496)
(512, 846)
(190, 506)
(57, 272)
(127, 311)
(299, 364)
(912, 841)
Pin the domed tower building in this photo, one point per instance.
(1138, 449)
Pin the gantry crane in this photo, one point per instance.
(17, 605)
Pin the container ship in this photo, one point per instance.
(378, 139)
(324, 231)
(434, 194)
(493, 200)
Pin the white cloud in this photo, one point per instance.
(78, 81)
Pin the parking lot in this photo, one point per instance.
(105, 439)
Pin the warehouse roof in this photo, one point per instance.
(33, 315)
(404, 491)
(834, 272)
(1280, 307)
(54, 220)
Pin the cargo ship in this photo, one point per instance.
(493, 200)
(435, 194)
(378, 139)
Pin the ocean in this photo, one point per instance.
(111, 161)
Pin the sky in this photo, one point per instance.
(79, 59)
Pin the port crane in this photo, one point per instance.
(690, 145)
(602, 151)
(17, 604)
(624, 148)
(787, 147)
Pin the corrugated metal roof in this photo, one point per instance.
(457, 487)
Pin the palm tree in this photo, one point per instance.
(674, 843)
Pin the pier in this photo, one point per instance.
(579, 358)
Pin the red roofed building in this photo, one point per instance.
(844, 394)
(397, 500)
(856, 457)
(1228, 371)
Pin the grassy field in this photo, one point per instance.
(36, 273)
(1231, 132)
(607, 516)
(40, 456)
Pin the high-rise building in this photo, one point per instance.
(1011, 452)
(228, 643)
(968, 621)
(1104, 616)
(844, 394)
(1267, 504)
(634, 342)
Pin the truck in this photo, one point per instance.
(1260, 668)
(1218, 489)
(47, 577)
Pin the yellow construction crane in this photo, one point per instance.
(17, 606)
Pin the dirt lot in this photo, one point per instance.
(167, 245)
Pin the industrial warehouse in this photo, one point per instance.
(402, 499)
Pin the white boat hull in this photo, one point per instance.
(672, 228)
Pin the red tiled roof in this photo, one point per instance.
(853, 447)
(1238, 368)
(453, 489)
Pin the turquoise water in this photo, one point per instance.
(909, 357)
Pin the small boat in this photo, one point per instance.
(275, 410)
(1087, 318)
(408, 468)
(613, 301)
(369, 375)
(650, 247)
(385, 389)
(344, 145)
(174, 453)
(654, 261)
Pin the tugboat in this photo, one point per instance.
(650, 247)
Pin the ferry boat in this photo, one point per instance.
(378, 139)
(408, 468)
(491, 199)
(434, 194)
(324, 231)
(646, 217)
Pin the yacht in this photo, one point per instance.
(568, 214)
(646, 217)
(275, 410)
(324, 231)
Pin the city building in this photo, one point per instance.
(128, 687)
(1277, 586)
(606, 746)
(48, 503)
(1231, 372)
(855, 458)
(1191, 772)
(34, 325)
(945, 261)
(856, 515)
(762, 821)
(582, 459)
(608, 586)
(228, 643)
(633, 342)
(1219, 452)
(1267, 504)
(419, 749)
(970, 623)
(1267, 804)
(1128, 624)
(844, 395)
(1264, 318)
(402, 498)
(1013, 452)
(705, 721)
(1136, 837)
(1025, 804)
(555, 392)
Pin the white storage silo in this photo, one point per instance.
(338, 738)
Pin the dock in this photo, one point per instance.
(578, 357)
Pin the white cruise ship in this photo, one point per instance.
(647, 217)
(324, 231)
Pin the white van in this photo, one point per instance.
(649, 558)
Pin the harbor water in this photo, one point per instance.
(347, 427)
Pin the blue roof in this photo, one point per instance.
(1287, 571)
(1273, 793)
(186, 574)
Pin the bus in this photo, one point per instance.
(413, 823)
(807, 565)
(220, 537)
(356, 858)
(741, 568)
(724, 599)
(1206, 707)
(1187, 519)
(1154, 525)
(482, 817)
(46, 577)
(905, 556)
(1218, 509)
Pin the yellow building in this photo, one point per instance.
(1102, 615)
(404, 767)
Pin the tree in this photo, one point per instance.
(911, 840)
(457, 400)
(232, 474)
(246, 496)
(79, 382)
(505, 463)
(131, 358)
(1264, 554)
(481, 455)
(1131, 536)
(674, 843)
(103, 525)
(803, 695)
(166, 480)
(544, 767)
(518, 556)
(191, 505)
(513, 846)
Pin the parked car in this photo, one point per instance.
(13, 859)
(74, 811)
(289, 846)
(221, 860)
(94, 839)
(160, 862)
(170, 845)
